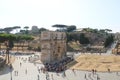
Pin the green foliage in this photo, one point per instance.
(59, 26)
(22, 31)
(69, 38)
(83, 39)
(11, 44)
(108, 30)
(72, 37)
(8, 39)
(108, 41)
(71, 28)
(102, 30)
(87, 29)
(5, 37)
(12, 37)
(9, 29)
(77, 37)
(42, 29)
(90, 30)
(95, 30)
(16, 27)
(65, 28)
(26, 29)
(24, 37)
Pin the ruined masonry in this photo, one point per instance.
(53, 46)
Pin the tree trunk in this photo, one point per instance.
(0, 46)
(7, 52)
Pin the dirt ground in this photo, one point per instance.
(98, 62)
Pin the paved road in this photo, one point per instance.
(29, 71)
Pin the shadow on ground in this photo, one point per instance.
(72, 63)
(5, 69)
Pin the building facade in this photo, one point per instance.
(53, 46)
(35, 29)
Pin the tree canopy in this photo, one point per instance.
(109, 40)
(59, 26)
(71, 28)
(83, 39)
(66, 28)
(13, 37)
(42, 29)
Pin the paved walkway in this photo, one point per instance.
(29, 71)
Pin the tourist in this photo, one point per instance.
(64, 74)
(34, 64)
(73, 70)
(15, 73)
(89, 75)
(108, 70)
(116, 73)
(85, 76)
(38, 77)
(52, 76)
(92, 71)
(11, 66)
(58, 66)
(95, 71)
(43, 70)
(57, 73)
(39, 70)
(47, 76)
(26, 71)
(20, 64)
(98, 78)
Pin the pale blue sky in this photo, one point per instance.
(45, 13)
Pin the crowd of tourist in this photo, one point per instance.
(58, 66)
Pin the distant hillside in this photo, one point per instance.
(96, 42)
